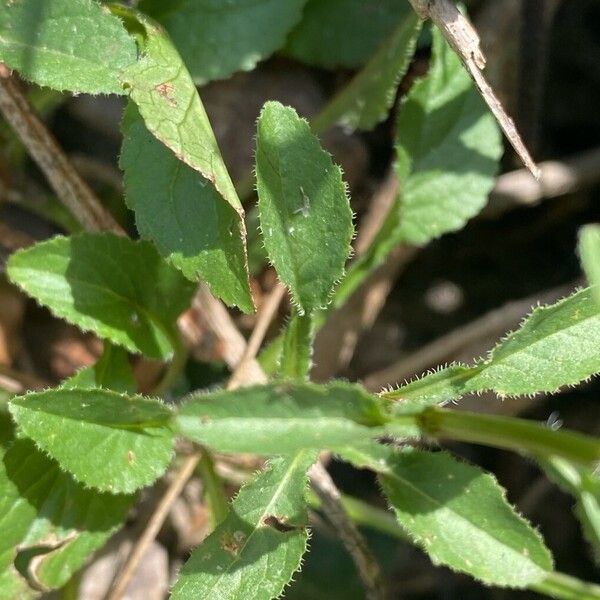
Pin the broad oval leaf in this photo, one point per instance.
(448, 149)
(121, 290)
(281, 418)
(556, 345)
(460, 517)
(218, 38)
(182, 213)
(106, 440)
(344, 33)
(44, 508)
(256, 550)
(367, 99)
(74, 45)
(305, 217)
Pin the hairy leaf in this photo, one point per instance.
(112, 371)
(218, 38)
(168, 102)
(121, 290)
(42, 507)
(256, 550)
(74, 45)
(458, 514)
(281, 418)
(555, 346)
(589, 251)
(344, 33)
(305, 216)
(182, 213)
(109, 441)
(367, 99)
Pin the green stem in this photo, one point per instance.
(213, 489)
(565, 587)
(522, 436)
(175, 367)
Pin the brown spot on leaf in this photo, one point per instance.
(165, 90)
(231, 543)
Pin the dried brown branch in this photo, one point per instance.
(153, 527)
(463, 38)
(353, 541)
(52, 160)
(266, 315)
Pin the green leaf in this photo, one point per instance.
(112, 371)
(121, 290)
(459, 515)
(555, 346)
(182, 213)
(74, 45)
(168, 102)
(106, 440)
(448, 147)
(296, 355)
(43, 508)
(589, 252)
(344, 33)
(367, 99)
(305, 216)
(218, 38)
(256, 550)
(281, 418)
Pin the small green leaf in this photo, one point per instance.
(555, 346)
(121, 290)
(344, 33)
(112, 371)
(256, 550)
(459, 516)
(218, 38)
(109, 441)
(589, 252)
(40, 506)
(448, 147)
(74, 45)
(182, 213)
(305, 216)
(367, 99)
(281, 418)
(298, 338)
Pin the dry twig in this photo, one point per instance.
(355, 544)
(50, 157)
(463, 38)
(153, 527)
